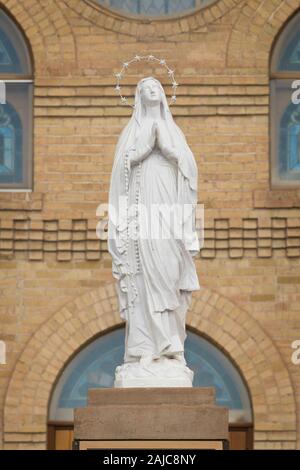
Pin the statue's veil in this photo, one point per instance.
(187, 170)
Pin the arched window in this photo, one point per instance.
(15, 108)
(94, 367)
(285, 107)
(154, 8)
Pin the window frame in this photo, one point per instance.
(284, 76)
(22, 78)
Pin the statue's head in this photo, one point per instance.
(151, 91)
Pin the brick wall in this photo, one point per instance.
(56, 290)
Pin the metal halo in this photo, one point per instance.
(148, 58)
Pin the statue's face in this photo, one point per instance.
(150, 92)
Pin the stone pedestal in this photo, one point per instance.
(139, 417)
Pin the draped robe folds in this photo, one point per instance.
(156, 272)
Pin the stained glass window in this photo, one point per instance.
(285, 107)
(15, 107)
(15, 135)
(94, 367)
(14, 54)
(10, 132)
(154, 8)
(290, 55)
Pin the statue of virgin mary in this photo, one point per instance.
(152, 240)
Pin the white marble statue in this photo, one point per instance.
(154, 172)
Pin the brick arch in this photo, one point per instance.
(254, 31)
(232, 329)
(144, 27)
(41, 23)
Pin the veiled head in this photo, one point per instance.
(151, 91)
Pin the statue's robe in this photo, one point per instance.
(166, 271)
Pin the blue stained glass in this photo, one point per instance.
(10, 145)
(289, 46)
(95, 365)
(290, 58)
(289, 143)
(4, 56)
(15, 107)
(9, 60)
(154, 7)
(212, 369)
(14, 54)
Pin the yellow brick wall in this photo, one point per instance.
(56, 290)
